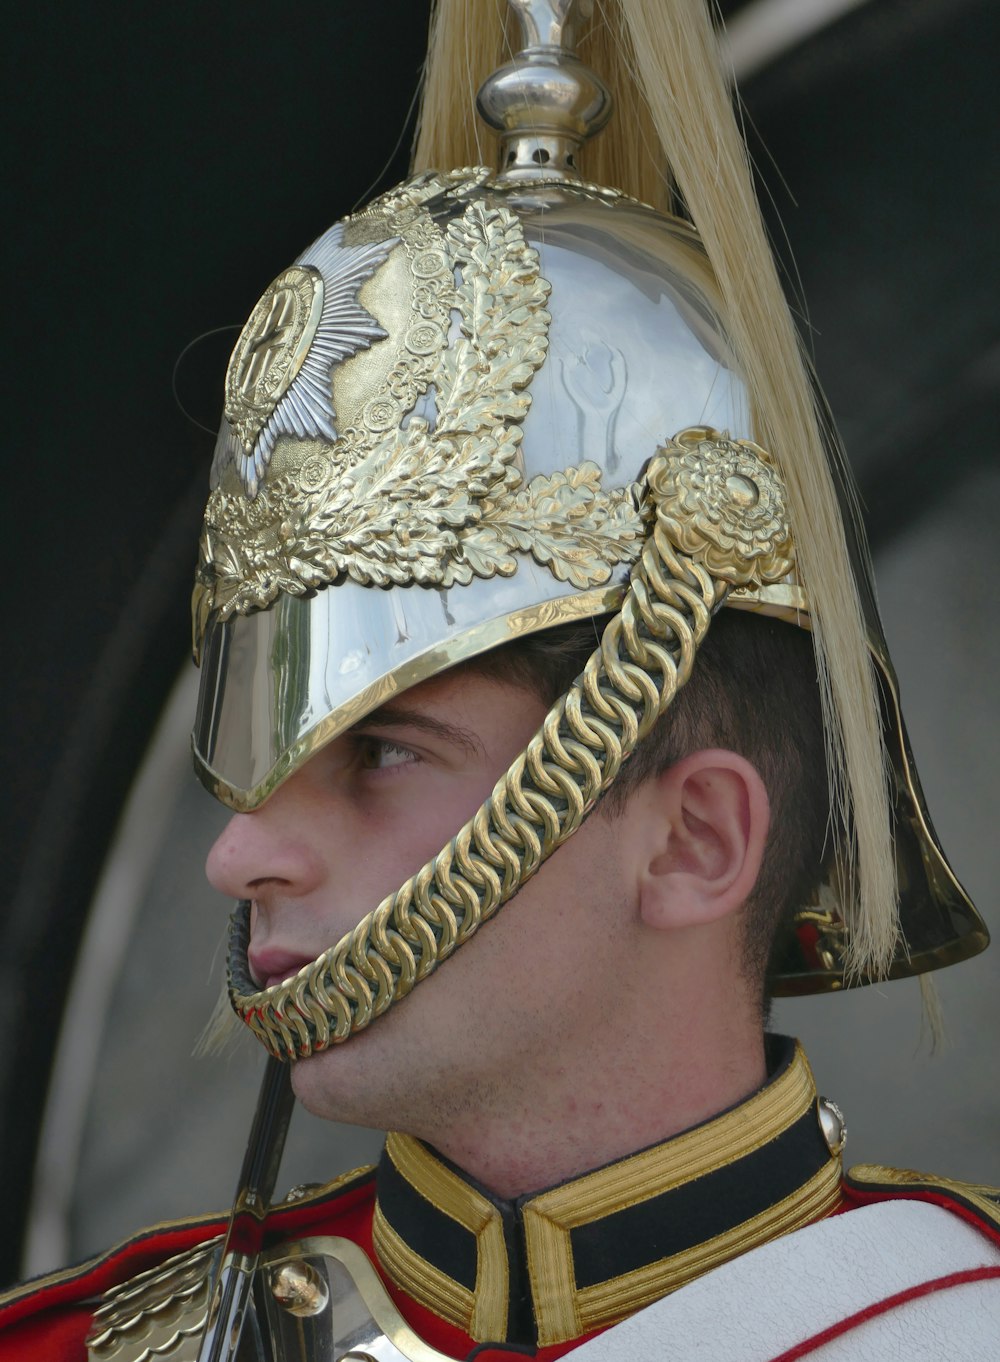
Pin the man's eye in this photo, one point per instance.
(377, 754)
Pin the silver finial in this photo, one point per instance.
(545, 103)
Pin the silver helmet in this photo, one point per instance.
(487, 404)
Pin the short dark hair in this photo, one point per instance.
(754, 691)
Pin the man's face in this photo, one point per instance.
(515, 1005)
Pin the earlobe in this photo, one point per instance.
(713, 823)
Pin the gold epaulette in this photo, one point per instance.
(160, 1314)
(875, 1180)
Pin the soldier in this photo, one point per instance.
(524, 533)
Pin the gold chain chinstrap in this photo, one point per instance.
(719, 521)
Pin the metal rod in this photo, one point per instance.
(245, 1235)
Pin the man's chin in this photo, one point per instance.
(336, 1087)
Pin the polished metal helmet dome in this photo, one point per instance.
(485, 405)
(487, 368)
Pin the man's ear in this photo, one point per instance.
(710, 816)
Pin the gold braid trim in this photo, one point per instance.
(720, 522)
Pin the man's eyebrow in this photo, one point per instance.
(392, 716)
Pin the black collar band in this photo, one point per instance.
(557, 1264)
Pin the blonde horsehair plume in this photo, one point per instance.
(223, 1031)
(674, 109)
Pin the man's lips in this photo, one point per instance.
(271, 965)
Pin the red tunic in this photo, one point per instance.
(559, 1265)
(49, 1319)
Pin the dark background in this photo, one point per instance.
(165, 162)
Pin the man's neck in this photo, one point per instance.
(559, 1261)
(569, 1124)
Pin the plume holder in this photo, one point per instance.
(545, 103)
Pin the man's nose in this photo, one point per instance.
(260, 851)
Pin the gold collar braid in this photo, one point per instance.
(719, 521)
(556, 1264)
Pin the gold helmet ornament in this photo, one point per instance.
(494, 401)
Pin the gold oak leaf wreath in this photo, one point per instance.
(433, 506)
